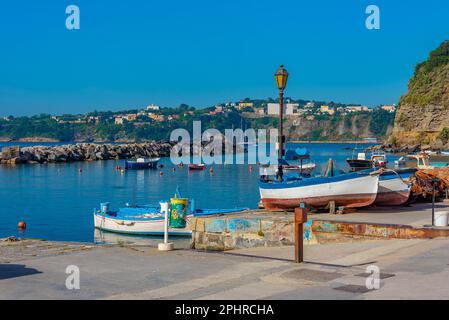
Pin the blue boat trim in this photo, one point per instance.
(302, 182)
(135, 213)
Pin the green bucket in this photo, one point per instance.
(178, 212)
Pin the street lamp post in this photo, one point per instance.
(281, 77)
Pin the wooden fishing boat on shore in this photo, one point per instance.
(394, 187)
(355, 189)
(141, 163)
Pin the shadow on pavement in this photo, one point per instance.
(8, 271)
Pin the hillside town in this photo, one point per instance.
(247, 108)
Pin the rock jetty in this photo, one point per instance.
(83, 152)
(405, 149)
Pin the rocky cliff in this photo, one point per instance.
(423, 113)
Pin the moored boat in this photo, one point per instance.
(306, 168)
(196, 167)
(297, 160)
(377, 159)
(356, 189)
(141, 163)
(361, 163)
(147, 220)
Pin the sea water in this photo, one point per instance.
(57, 200)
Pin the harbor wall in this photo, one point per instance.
(227, 233)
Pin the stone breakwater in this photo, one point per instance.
(83, 152)
(412, 148)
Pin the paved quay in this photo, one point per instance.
(413, 268)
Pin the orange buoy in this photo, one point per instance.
(161, 173)
(250, 168)
(211, 170)
(22, 225)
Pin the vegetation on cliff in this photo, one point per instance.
(429, 84)
(423, 113)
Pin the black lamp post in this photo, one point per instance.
(281, 77)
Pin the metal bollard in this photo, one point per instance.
(300, 219)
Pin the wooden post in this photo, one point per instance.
(300, 219)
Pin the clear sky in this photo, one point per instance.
(132, 53)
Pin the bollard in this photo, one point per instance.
(435, 182)
(300, 219)
(165, 246)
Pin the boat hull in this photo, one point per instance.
(306, 168)
(133, 165)
(394, 189)
(196, 167)
(356, 164)
(123, 223)
(137, 227)
(351, 190)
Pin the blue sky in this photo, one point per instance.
(132, 53)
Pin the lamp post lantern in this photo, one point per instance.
(281, 77)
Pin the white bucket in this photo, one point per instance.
(441, 218)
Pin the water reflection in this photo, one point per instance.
(110, 238)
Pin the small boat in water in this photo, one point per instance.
(394, 187)
(306, 168)
(147, 219)
(141, 163)
(355, 189)
(377, 159)
(297, 160)
(422, 161)
(196, 167)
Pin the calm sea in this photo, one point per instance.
(57, 201)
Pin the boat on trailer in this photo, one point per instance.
(141, 163)
(147, 219)
(352, 190)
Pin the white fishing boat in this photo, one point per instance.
(394, 187)
(356, 189)
(306, 168)
(146, 220)
(147, 224)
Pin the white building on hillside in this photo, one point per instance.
(289, 108)
(153, 107)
